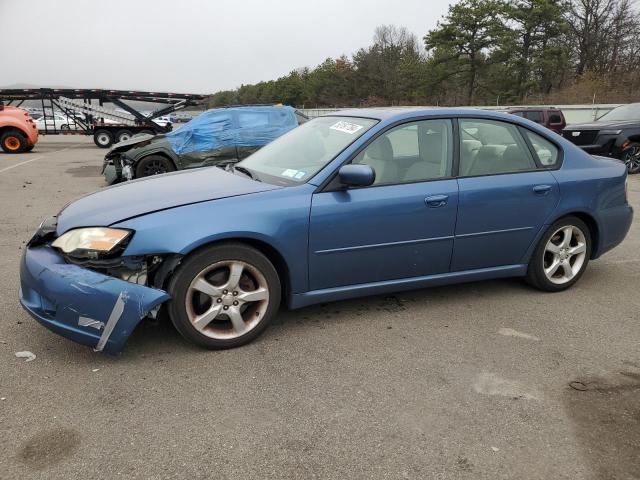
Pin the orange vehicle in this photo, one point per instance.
(18, 132)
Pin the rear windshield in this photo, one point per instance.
(625, 112)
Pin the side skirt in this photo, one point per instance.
(298, 300)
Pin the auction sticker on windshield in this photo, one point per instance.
(346, 127)
(291, 173)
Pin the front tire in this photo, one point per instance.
(631, 158)
(13, 141)
(561, 256)
(154, 165)
(224, 296)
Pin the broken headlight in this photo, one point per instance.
(92, 242)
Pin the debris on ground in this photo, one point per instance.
(28, 356)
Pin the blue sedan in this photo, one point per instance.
(359, 203)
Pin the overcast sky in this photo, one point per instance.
(188, 46)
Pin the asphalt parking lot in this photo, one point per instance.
(468, 381)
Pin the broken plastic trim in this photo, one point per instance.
(81, 304)
(116, 313)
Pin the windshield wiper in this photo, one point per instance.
(246, 171)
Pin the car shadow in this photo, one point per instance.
(159, 337)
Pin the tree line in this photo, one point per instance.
(482, 52)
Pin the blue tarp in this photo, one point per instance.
(231, 127)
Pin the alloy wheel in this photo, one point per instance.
(632, 159)
(227, 299)
(564, 254)
(155, 167)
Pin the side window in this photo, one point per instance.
(489, 147)
(546, 151)
(413, 152)
(554, 118)
(534, 116)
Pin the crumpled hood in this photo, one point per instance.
(620, 124)
(127, 144)
(151, 194)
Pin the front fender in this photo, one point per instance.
(279, 218)
(11, 122)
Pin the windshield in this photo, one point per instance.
(299, 154)
(625, 112)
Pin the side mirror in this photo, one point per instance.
(356, 175)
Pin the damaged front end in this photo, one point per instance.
(94, 301)
(117, 165)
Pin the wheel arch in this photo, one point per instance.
(592, 224)
(159, 153)
(6, 128)
(634, 138)
(263, 246)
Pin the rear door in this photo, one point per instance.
(212, 142)
(253, 128)
(506, 195)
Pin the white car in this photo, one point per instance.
(163, 121)
(56, 121)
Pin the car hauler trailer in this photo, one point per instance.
(86, 114)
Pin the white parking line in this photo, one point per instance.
(34, 159)
(21, 163)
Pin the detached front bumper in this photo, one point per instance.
(82, 305)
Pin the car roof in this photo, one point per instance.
(524, 109)
(399, 113)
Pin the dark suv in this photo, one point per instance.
(549, 117)
(615, 134)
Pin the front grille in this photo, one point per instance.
(586, 137)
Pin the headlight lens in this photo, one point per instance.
(610, 132)
(91, 241)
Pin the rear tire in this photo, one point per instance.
(103, 138)
(122, 136)
(154, 165)
(13, 141)
(631, 158)
(562, 255)
(212, 307)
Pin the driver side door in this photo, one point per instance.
(402, 226)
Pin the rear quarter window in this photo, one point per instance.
(547, 152)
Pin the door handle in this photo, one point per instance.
(541, 189)
(435, 201)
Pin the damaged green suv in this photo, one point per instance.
(216, 137)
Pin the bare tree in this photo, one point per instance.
(605, 33)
